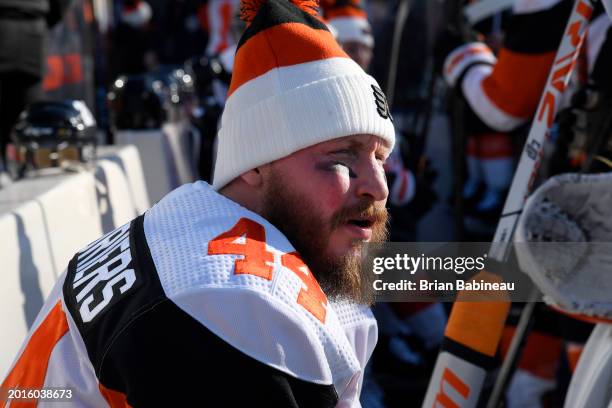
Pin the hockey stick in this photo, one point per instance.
(527, 314)
(400, 20)
(460, 371)
(459, 137)
(455, 18)
(514, 349)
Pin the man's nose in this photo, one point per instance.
(372, 183)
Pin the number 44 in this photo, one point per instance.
(255, 262)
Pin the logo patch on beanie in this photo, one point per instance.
(381, 103)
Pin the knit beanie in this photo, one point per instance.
(349, 21)
(292, 87)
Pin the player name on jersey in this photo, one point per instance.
(103, 271)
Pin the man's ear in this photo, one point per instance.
(252, 177)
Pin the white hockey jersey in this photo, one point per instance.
(199, 302)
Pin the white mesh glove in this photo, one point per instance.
(575, 210)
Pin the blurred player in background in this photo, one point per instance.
(349, 23)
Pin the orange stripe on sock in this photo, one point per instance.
(479, 324)
(574, 351)
(31, 368)
(476, 49)
(280, 46)
(540, 355)
(517, 82)
(494, 146)
(114, 398)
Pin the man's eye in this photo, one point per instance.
(340, 166)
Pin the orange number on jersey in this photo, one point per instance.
(253, 249)
(256, 257)
(311, 297)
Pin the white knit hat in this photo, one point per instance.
(292, 87)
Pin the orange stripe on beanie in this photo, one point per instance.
(292, 87)
(280, 33)
(279, 46)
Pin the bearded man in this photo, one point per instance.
(248, 292)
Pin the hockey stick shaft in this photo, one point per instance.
(459, 142)
(511, 359)
(457, 380)
(402, 14)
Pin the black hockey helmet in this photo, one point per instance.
(52, 133)
(204, 70)
(182, 85)
(179, 87)
(137, 102)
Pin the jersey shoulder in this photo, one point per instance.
(234, 272)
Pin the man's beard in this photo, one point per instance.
(340, 277)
